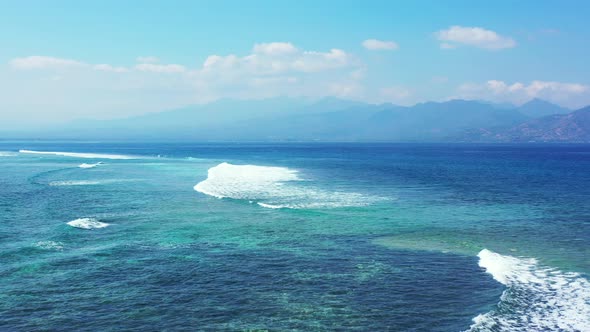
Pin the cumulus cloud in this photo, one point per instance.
(110, 68)
(270, 60)
(43, 62)
(317, 61)
(473, 36)
(147, 64)
(375, 45)
(282, 69)
(567, 94)
(277, 48)
(266, 59)
(106, 89)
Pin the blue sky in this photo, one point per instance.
(63, 60)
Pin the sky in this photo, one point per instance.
(67, 60)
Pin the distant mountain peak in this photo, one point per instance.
(538, 101)
(537, 107)
(334, 119)
(570, 127)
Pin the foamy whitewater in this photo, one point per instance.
(67, 183)
(537, 298)
(85, 165)
(49, 245)
(74, 183)
(273, 187)
(87, 223)
(7, 154)
(81, 155)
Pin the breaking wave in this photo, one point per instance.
(273, 187)
(7, 154)
(85, 165)
(87, 223)
(537, 298)
(81, 155)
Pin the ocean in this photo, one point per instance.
(294, 237)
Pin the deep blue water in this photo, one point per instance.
(366, 237)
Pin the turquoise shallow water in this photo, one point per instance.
(317, 237)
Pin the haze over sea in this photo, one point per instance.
(341, 236)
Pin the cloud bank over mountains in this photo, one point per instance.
(518, 92)
(76, 88)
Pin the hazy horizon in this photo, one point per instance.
(73, 61)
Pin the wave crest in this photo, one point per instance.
(273, 187)
(537, 298)
(87, 223)
(85, 165)
(81, 155)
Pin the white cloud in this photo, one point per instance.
(43, 62)
(217, 61)
(270, 60)
(375, 44)
(277, 48)
(312, 61)
(110, 68)
(282, 69)
(567, 94)
(108, 90)
(473, 36)
(155, 68)
(147, 64)
(266, 59)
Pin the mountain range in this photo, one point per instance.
(570, 127)
(332, 119)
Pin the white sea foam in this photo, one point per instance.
(68, 183)
(81, 155)
(49, 245)
(537, 298)
(74, 183)
(272, 206)
(7, 154)
(85, 165)
(243, 181)
(273, 187)
(87, 223)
